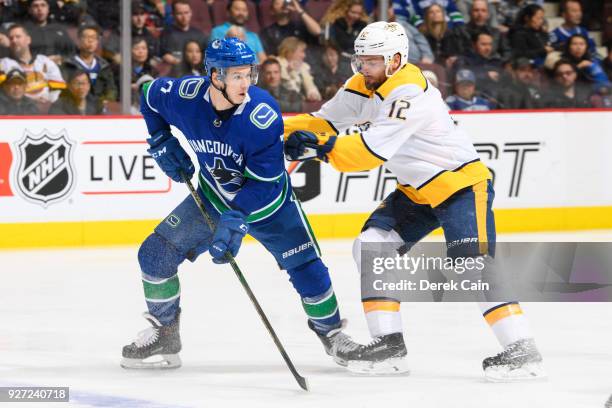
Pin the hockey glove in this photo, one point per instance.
(170, 156)
(303, 145)
(232, 227)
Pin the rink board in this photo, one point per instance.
(70, 182)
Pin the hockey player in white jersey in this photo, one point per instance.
(406, 127)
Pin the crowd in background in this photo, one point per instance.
(63, 56)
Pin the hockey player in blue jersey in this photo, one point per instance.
(236, 131)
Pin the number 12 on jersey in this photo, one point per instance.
(398, 108)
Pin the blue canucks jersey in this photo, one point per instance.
(241, 159)
(477, 103)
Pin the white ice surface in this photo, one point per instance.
(65, 315)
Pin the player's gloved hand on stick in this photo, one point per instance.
(304, 145)
(170, 155)
(231, 228)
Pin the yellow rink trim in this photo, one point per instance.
(95, 233)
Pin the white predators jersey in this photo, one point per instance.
(43, 77)
(410, 132)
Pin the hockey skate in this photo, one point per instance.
(155, 347)
(520, 361)
(334, 340)
(382, 356)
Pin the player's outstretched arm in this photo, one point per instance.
(346, 153)
(338, 113)
(363, 147)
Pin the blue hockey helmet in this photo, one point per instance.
(229, 52)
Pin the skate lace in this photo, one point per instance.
(374, 342)
(344, 343)
(512, 349)
(147, 337)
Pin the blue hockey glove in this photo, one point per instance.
(170, 156)
(303, 145)
(232, 227)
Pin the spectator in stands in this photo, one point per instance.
(192, 63)
(159, 13)
(139, 29)
(48, 38)
(508, 10)
(602, 99)
(607, 63)
(342, 22)
(572, 15)
(5, 44)
(12, 97)
(295, 73)
(589, 69)
(100, 73)
(236, 32)
(67, 12)
(487, 67)
(141, 63)
(306, 29)
(76, 99)
(419, 51)
(593, 11)
(163, 11)
(330, 74)
(105, 14)
(479, 22)
(524, 91)
(444, 43)
(528, 37)
(567, 92)
(413, 11)
(464, 98)
(44, 78)
(465, 7)
(174, 37)
(288, 99)
(238, 13)
(10, 12)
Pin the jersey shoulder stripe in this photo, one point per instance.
(408, 75)
(356, 85)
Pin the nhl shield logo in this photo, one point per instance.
(45, 174)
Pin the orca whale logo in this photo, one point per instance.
(223, 175)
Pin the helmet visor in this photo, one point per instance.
(229, 75)
(368, 62)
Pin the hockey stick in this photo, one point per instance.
(300, 380)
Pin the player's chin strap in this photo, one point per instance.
(224, 93)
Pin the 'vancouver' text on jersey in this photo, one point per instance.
(241, 161)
